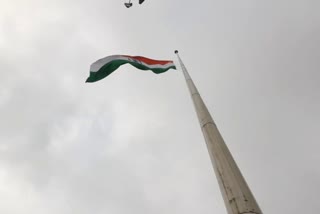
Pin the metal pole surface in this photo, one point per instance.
(235, 191)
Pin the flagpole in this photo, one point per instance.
(235, 191)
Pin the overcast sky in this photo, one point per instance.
(131, 143)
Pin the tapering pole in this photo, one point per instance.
(235, 191)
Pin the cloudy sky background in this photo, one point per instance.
(131, 143)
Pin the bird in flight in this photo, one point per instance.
(129, 4)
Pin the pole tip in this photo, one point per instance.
(176, 51)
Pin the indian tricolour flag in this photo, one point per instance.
(105, 66)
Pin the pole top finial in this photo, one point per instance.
(176, 51)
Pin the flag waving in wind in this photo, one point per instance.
(105, 66)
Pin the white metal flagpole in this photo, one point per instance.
(235, 191)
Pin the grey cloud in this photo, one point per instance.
(131, 143)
